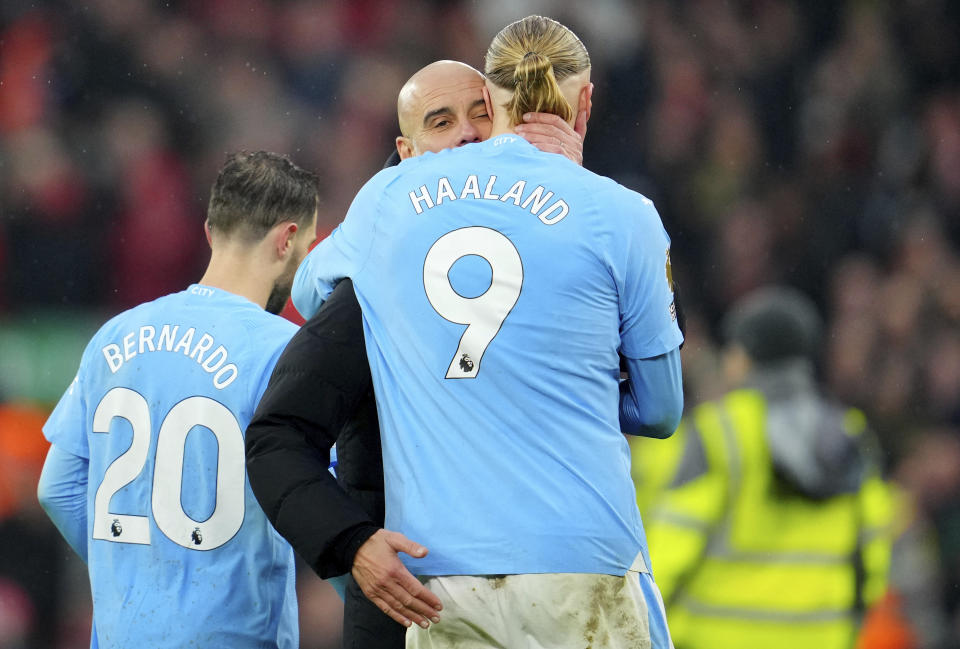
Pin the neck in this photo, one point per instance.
(236, 273)
(501, 127)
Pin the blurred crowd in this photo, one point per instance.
(815, 144)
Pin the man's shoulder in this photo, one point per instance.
(612, 191)
(270, 325)
(166, 305)
(182, 310)
(384, 178)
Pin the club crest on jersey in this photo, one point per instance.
(196, 537)
(669, 270)
(673, 303)
(466, 363)
(116, 528)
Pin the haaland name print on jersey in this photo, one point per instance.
(534, 199)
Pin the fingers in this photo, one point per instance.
(424, 601)
(546, 130)
(549, 148)
(405, 600)
(548, 124)
(387, 582)
(552, 134)
(390, 610)
(400, 543)
(545, 118)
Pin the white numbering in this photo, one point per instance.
(484, 314)
(125, 528)
(168, 512)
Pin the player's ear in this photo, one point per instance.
(284, 239)
(404, 147)
(585, 101)
(488, 102)
(206, 231)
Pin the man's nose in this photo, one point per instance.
(469, 133)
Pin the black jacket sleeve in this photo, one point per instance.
(318, 383)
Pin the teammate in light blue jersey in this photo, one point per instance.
(498, 285)
(146, 474)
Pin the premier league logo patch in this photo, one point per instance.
(466, 363)
(197, 537)
(115, 528)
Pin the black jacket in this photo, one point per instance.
(320, 392)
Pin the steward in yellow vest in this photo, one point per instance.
(774, 527)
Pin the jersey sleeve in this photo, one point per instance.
(648, 321)
(62, 492)
(343, 253)
(67, 425)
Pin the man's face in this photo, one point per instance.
(442, 108)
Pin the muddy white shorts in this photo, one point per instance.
(545, 611)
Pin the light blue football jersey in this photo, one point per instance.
(497, 285)
(179, 553)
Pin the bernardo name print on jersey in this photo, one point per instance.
(146, 339)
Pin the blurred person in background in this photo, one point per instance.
(152, 426)
(439, 107)
(772, 526)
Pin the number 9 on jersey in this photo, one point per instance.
(484, 315)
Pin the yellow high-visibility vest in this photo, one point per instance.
(742, 561)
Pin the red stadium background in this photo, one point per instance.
(815, 144)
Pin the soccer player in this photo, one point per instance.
(497, 285)
(146, 477)
(441, 106)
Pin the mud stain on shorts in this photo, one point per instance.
(612, 613)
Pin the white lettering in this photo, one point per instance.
(444, 190)
(216, 363)
(114, 359)
(535, 202)
(472, 186)
(206, 342)
(128, 342)
(515, 192)
(169, 334)
(535, 198)
(209, 365)
(424, 197)
(185, 341)
(486, 192)
(561, 207)
(147, 340)
(219, 382)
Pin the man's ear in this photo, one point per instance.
(487, 101)
(585, 102)
(284, 238)
(206, 231)
(405, 147)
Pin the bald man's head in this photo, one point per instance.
(441, 107)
